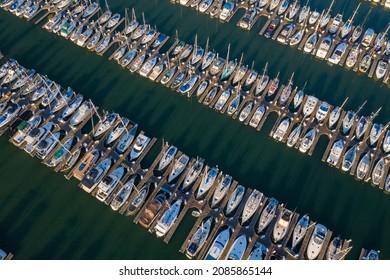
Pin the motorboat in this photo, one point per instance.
(251, 205)
(199, 238)
(95, 175)
(245, 112)
(24, 128)
(365, 63)
(227, 10)
(272, 28)
(178, 167)
(381, 69)
(309, 106)
(81, 114)
(86, 163)
(314, 16)
(148, 66)
(334, 251)
(235, 199)
(338, 53)
(45, 146)
(233, 105)
(335, 152)
(217, 66)
(363, 166)
(167, 158)
(221, 190)
(157, 70)
(248, 19)
(218, 246)
(375, 133)
(168, 218)
(84, 37)
(274, 85)
(117, 130)
(352, 56)
(141, 143)
(257, 116)
(9, 114)
(208, 180)
(109, 183)
(281, 130)
(281, 225)
(36, 135)
(316, 242)
(152, 209)
(267, 214)
(323, 110)
(222, 100)
(136, 203)
(349, 158)
(300, 230)
(307, 140)
(294, 136)
(368, 37)
(205, 5)
(238, 248)
(324, 47)
(378, 172)
(335, 25)
(105, 124)
(193, 173)
(126, 140)
(123, 194)
(62, 151)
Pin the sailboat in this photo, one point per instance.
(349, 119)
(285, 95)
(325, 18)
(251, 205)
(378, 172)
(294, 136)
(235, 199)
(347, 26)
(274, 85)
(298, 98)
(300, 230)
(349, 158)
(363, 166)
(352, 56)
(199, 238)
(304, 13)
(268, 214)
(357, 32)
(262, 82)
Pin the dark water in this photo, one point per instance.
(42, 215)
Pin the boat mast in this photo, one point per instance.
(345, 102)
(265, 69)
(366, 17)
(133, 17)
(360, 108)
(330, 8)
(354, 13)
(227, 55)
(290, 82)
(107, 7)
(196, 44)
(241, 58)
(207, 45)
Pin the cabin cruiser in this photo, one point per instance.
(199, 238)
(352, 56)
(335, 152)
(381, 68)
(226, 11)
(368, 37)
(281, 129)
(300, 230)
(378, 171)
(307, 140)
(81, 114)
(36, 135)
(221, 190)
(349, 158)
(238, 248)
(217, 66)
(117, 131)
(140, 144)
(148, 66)
(24, 128)
(123, 194)
(247, 20)
(86, 163)
(109, 183)
(235, 199)
(311, 43)
(334, 27)
(251, 205)
(62, 151)
(205, 5)
(222, 100)
(334, 251)
(245, 112)
(9, 114)
(152, 209)
(324, 47)
(322, 111)
(272, 28)
(294, 136)
(193, 173)
(365, 63)
(207, 181)
(95, 175)
(167, 158)
(363, 166)
(316, 241)
(309, 106)
(219, 245)
(233, 105)
(267, 214)
(178, 167)
(257, 116)
(338, 53)
(376, 131)
(31, 11)
(45, 146)
(281, 225)
(168, 218)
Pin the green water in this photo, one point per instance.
(42, 215)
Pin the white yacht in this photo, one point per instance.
(310, 104)
(322, 111)
(235, 199)
(207, 181)
(93, 177)
(324, 47)
(222, 100)
(349, 158)
(316, 241)
(167, 158)
(335, 25)
(178, 167)
(334, 116)
(335, 152)
(307, 140)
(375, 133)
(24, 128)
(62, 151)
(226, 11)
(338, 53)
(81, 114)
(36, 135)
(199, 238)
(294, 136)
(245, 112)
(140, 144)
(300, 230)
(363, 166)
(378, 172)
(9, 114)
(219, 245)
(251, 205)
(368, 37)
(45, 146)
(168, 218)
(381, 69)
(238, 248)
(257, 116)
(281, 130)
(109, 183)
(268, 214)
(105, 124)
(123, 194)
(126, 140)
(221, 190)
(281, 225)
(193, 173)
